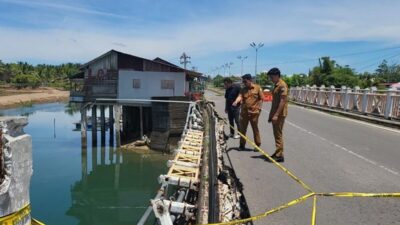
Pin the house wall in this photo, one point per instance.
(101, 77)
(150, 84)
(103, 69)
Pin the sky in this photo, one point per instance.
(295, 33)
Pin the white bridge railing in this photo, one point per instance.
(368, 101)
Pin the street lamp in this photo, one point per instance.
(229, 68)
(242, 58)
(256, 47)
(217, 70)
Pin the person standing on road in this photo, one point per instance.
(251, 97)
(231, 93)
(279, 111)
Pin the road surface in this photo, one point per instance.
(330, 154)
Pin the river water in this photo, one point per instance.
(93, 186)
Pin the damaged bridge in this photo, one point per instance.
(198, 188)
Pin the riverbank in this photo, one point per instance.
(10, 98)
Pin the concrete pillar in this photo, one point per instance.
(84, 166)
(389, 104)
(83, 127)
(331, 101)
(321, 95)
(345, 98)
(103, 125)
(94, 125)
(117, 110)
(364, 103)
(111, 154)
(94, 158)
(111, 124)
(117, 169)
(141, 121)
(103, 155)
(17, 159)
(314, 94)
(356, 97)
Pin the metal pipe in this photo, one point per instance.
(150, 208)
(181, 196)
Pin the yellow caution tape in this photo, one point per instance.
(19, 217)
(36, 222)
(305, 186)
(314, 211)
(267, 213)
(16, 217)
(357, 194)
(284, 169)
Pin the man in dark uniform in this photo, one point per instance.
(231, 93)
(251, 97)
(279, 110)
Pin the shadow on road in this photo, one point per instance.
(237, 149)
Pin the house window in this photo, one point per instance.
(167, 84)
(136, 83)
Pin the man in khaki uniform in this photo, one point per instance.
(279, 110)
(251, 97)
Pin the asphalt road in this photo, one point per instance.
(330, 154)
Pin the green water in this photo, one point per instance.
(71, 185)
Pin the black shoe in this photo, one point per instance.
(278, 158)
(241, 148)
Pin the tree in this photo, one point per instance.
(263, 79)
(297, 80)
(52, 75)
(218, 81)
(388, 73)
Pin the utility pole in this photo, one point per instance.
(224, 67)
(241, 58)
(256, 47)
(184, 60)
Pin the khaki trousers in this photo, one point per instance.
(245, 118)
(278, 134)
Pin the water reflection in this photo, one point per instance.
(72, 185)
(118, 187)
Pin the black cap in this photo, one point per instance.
(274, 71)
(247, 76)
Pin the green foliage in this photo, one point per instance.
(328, 73)
(22, 74)
(296, 80)
(263, 79)
(26, 80)
(218, 81)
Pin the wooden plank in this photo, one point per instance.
(181, 171)
(188, 158)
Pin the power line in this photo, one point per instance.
(374, 64)
(374, 59)
(338, 56)
(333, 57)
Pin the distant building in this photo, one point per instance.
(120, 82)
(118, 75)
(395, 86)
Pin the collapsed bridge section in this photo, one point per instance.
(198, 187)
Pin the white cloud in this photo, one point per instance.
(62, 7)
(338, 21)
